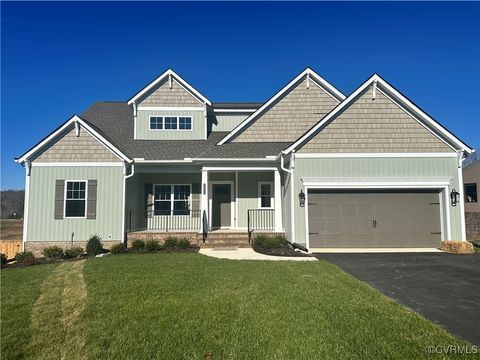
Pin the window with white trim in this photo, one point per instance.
(172, 199)
(75, 199)
(170, 123)
(265, 195)
(156, 123)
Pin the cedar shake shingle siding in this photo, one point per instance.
(374, 126)
(70, 148)
(288, 118)
(162, 95)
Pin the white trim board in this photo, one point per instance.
(180, 81)
(74, 164)
(374, 155)
(311, 75)
(74, 119)
(416, 112)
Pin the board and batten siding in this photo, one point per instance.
(375, 168)
(291, 116)
(163, 95)
(225, 121)
(109, 204)
(73, 148)
(196, 133)
(248, 193)
(374, 125)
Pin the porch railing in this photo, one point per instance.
(260, 220)
(167, 221)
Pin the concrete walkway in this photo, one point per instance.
(248, 254)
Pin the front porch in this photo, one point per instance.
(203, 203)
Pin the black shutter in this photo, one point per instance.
(59, 199)
(92, 199)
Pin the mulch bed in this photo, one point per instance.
(286, 251)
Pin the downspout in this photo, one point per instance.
(292, 198)
(460, 159)
(125, 177)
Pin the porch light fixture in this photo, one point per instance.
(301, 198)
(454, 197)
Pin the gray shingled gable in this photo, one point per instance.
(114, 121)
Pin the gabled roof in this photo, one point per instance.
(177, 77)
(407, 105)
(74, 119)
(307, 72)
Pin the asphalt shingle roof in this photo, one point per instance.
(114, 121)
(236, 105)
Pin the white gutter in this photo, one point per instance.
(292, 162)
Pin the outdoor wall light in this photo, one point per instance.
(301, 198)
(454, 197)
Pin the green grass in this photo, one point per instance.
(19, 290)
(180, 306)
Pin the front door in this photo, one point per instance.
(221, 205)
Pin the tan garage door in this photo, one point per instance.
(369, 219)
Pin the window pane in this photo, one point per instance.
(181, 208)
(156, 123)
(185, 123)
(265, 189)
(471, 193)
(162, 208)
(181, 192)
(170, 123)
(266, 201)
(162, 192)
(75, 208)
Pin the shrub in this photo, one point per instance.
(94, 245)
(271, 242)
(152, 245)
(171, 241)
(138, 245)
(183, 243)
(25, 258)
(73, 252)
(119, 248)
(53, 252)
(3, 260)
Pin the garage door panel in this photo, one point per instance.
(402, 219)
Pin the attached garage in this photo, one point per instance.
(374, 218)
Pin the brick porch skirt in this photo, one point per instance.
(36, 247)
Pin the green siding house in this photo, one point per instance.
(370, 170)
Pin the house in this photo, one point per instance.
(471, 183)
(367, 170)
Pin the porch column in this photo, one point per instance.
(278, 201)
(204, 194)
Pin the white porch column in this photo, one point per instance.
(278, 201)
(204, 194)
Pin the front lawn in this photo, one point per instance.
(189, 306)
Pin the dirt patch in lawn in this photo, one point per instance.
(286, 251)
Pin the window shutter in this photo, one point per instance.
(149, 200)
(59, 199)
(92, 199)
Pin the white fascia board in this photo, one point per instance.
(143, 161)
(220, 110)
(322, 82)
(182, 82)
(233, 159)
(381, 83)
(232, 168)
(373, 155)
(88, 128)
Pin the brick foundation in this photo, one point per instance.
(36, 247)
(472, 224)
(194, 237)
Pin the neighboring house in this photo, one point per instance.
(368, 170)
(471, 183)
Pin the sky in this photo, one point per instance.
(59, 58)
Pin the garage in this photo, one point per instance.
(374, 218)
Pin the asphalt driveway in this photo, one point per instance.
(444, 288)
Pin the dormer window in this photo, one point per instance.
(156, 123)
(170, 123)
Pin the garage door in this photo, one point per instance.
(368, 219)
